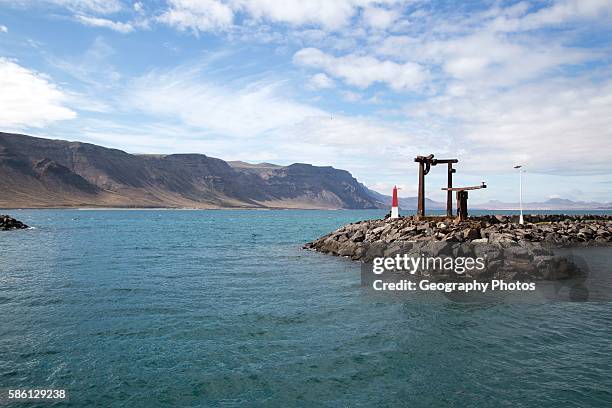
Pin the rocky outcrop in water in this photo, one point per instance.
(7, 223)
(366, 239)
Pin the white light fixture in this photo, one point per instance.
(520, 170)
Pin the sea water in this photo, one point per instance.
(224, 308)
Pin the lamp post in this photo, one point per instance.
(520, 170)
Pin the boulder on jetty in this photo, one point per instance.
(360, 240)
(8, 223)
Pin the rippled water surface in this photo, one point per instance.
(224, 308)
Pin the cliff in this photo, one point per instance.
(38, 173)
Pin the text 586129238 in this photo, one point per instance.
(32, 394)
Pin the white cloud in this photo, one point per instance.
(243, 111)
(3, 29)
(560, 12)
(212, 15)
(103, 22)
(320, 81)
(355, 134)
(79, 6)
(556, 127)
(351, 96)
(379, 18)
(90, 12)
(363, 71)
(91, 67)
(490, 59)
(482, 59)
(198, 15)
(92, 6)
(328, 14)
(29, 99)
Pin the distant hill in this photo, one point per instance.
(38, 173)
(410, 203)
(550, 204)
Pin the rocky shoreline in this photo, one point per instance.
(8, 223)
(364, 240)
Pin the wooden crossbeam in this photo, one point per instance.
(483, 185)
(444, 161)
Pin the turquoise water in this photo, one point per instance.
(224, 308)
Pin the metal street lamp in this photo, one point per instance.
(520, 170)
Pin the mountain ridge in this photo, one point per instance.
(43, 173)
(550, 204)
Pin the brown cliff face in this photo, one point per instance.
(36, 172)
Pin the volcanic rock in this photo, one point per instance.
(8, 223)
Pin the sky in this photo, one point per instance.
(360, 85)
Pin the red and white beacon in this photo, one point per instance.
(395, 204)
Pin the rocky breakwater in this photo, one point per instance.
(511, 250)
(7, 223)
(357, 240)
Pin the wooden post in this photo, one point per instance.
(421, 195)
(449, 193)
(462, 198)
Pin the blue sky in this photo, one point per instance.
(358, 84)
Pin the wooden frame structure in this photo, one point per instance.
(425, 163)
